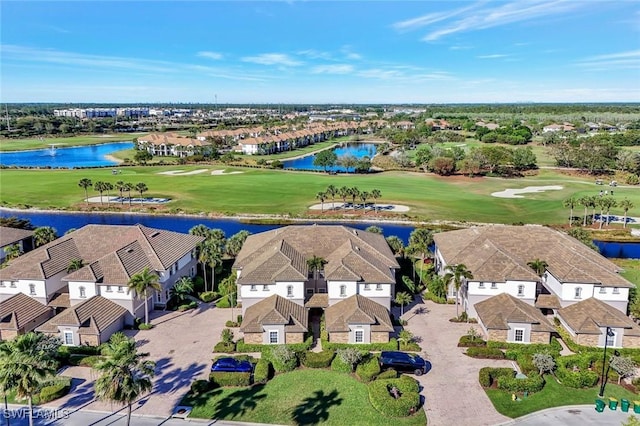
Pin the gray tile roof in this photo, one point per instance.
(91, 316)
(357, 309)
(497, 311)
(501, 252)
(10, 236)
(110, 252)
(19, 310)
(589, 315)
(281, 255)
(275, 310)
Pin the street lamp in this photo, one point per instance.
(610, 333)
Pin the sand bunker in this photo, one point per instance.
(182, 172)
(392, 208)
(515, 193)
(224, 172)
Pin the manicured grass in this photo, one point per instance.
(553, 395)
(24, 144)
(262, 191)
(300, 397)
(631, 269)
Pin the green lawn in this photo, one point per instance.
(300, 397)
(263, 191)
(631, 269)
(553, 395)
(23, 144)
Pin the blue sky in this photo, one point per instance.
(320, 51)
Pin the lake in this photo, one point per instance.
(356, 149)
(68, 157)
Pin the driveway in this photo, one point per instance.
(181, 344)
(453, 395)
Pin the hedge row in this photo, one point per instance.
(368, 370)
(241, 346)
(470, 342)
(263, 371)
(482, 352)
(488, 375)
(382, 400)
(317, 359)
(524, 360)
(392, 345)
(410, 347)
(574, 347)
(225, 347)
(59, 388)
(577, 379)
(553, 348)
(225, 378)
(531, 384)
(388, 374)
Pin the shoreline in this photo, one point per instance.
(65, 146)
(297, 157)
(114, 159)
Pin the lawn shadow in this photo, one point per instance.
(315, 409)
(237, 403)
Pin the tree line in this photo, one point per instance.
(345, 193)
(120, 186)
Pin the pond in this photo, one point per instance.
(68, 157)
(358, 150)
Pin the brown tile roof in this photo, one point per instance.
(170, 139)
(109, 252)
(549, 301)
(357, 309)
(275, 310)
(19, 310)
(60, 299)
(92, 316)
(10, 236)
(590, 315)
(318, 300)
(497, 311)
(501, 252)
(281, 255)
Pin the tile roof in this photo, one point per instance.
(549, 301)
(275, 310)
(498, 311)
(590, 315)
(10, 236)
(317, 300)
(281, 255)
(357, 309)
(110, 252)
(91, 316)
(19, 310)
(501, 252)
(170, 139)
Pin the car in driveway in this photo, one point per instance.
(402, 361)
(231, 365)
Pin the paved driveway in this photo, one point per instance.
(452, 393)
(181, 344)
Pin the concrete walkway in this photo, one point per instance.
(571, 415)
(453, 395)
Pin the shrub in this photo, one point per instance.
(186, 307)
(488, 375)
(200, 386)
(382, 400)
(262, 372)
(223, 378)
(531, 384)
(431, 296)
(224, 347)
(318, 359)
(410, 347)
(369, 369)
(553, 348)
(282, 357)
(388, 374)
(59, 388)
(488, 353)
(297, 347)
(392, 345)
(145, 326)
(90, 361)
(339, 365)
(208, 296)
(231, 324)
(226, 335)
(470, 341)
(544, 362)
(350, 356)
(223, 303)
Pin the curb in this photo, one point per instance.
(517, 420)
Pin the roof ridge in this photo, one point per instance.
(139, 228)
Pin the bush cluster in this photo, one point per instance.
(553, 348)
(369, 369)
(297, 347)
(392, 345)
(282, 357)
(226, 347)
(524, 360)
(382, 400)
(482, 352)
(470, 342)
(427, 295)
(582, 377)
(531, 384)
(191, 305)
(488, 375)
(200, 386)
(410, 347)
(340, 366)
(317, 359)
(208, 296)
(59, 388)
(263, 371)
(223, 378)
(388, 374)
(145, 326)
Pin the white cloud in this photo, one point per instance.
(493, 56)
(316, 54)
(620, 60)
(430, 18)
(210, 55)
(333, 69)
(272, 59)
(349, 54)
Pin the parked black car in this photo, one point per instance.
(402, 361)
(232, 365)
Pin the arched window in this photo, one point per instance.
(578, 292)
(83, 292)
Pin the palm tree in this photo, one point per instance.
(344, 193)
(144, 283)
(315, 265)
(585, 202)
(75, 264)
(235, 243)
(354, 193)
(100, 187)
(570, 203)
(201, 231)
(85, 184)
(181, 289)
(456, 274)
(626, 205)
(24, 367)
(396, 244)
(539, 266)
(120, 186)
(124, 374)
(12, 252)
(609, 203)
(128, 187)
(375, 194)
(108, 186)
(212, 250)
(403, 298)
(321, 196)
(419, 241)
(332, 191)
(229, 289)
(43, 235)
(141, 187)
(364, 195)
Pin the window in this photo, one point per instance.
(159, 297)
(32, 289)
(611, 337)
(108, 289)
(578, 294)
(367, 287)
(603, 290)
(273, 337)
(253, 287)
(2, 284)
(494, 285)
(68, 338)
(265, 288)
(359, 336)
(13, 284)
(289, 291)
(520, 290)
(83, 292)
(343, 290)
(309, 291)
(378, 286)
(519, 335)
(616, 290)
(120, 289)
(481, 285)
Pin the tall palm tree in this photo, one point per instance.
(144, 283)
(364, 196)
(75, 264)
(24, 367)
(128, 187)
(120, 186)
(181, 289)
(419, 241)
(124, 374)
(585, 202)
(570, 203)
(609, 203)
(403, 298)
(626, 205)
(43, 235)
(235, 243)
(108, 186)
(229, 289)
(315, 265)
(539, 266)
(100, 187)
(396, 244)
(321, 196)
(344, 193)
(375, 194)
(201, 231)
(85, 184)
(354, 193)
(12, 252)
(457, 274)
(213, 251)
(332, 191)
(141, 187)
